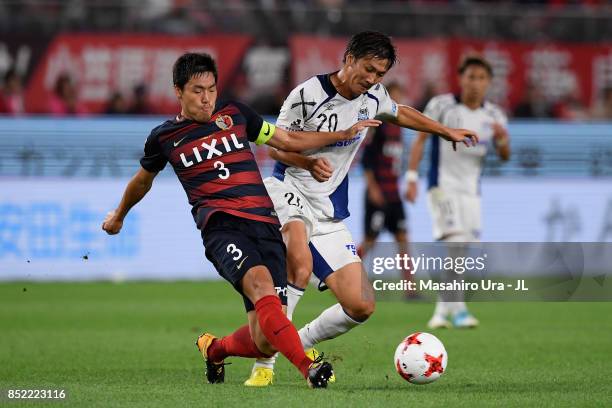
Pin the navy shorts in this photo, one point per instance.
(234, 245)
(390, 217)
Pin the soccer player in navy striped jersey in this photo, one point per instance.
(207, 145)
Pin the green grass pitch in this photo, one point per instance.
(132, 345)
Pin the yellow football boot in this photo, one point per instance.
(260, 377)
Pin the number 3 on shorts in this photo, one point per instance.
(232, 249)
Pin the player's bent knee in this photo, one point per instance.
(299, 271)
(257, 283)
(360, 311)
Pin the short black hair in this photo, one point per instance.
(191, 64)
(475, 60)
(371, 44)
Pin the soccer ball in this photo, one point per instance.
(420, 358)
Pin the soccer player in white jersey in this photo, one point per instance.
(454, 177)
(310, 190)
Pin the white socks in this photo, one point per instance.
(451, 304)
(294, 294)
(446, 309)
(330, 324)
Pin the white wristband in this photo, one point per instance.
(412, 175)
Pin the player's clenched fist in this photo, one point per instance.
(320, 169)
(112, 225)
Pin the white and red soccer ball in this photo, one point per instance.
(420, 358)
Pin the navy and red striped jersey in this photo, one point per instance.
(382, 155)
(214, 163)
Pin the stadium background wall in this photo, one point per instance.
(103, 63)
(60, 177)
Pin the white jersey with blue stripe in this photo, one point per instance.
(315, 105)
(459, 171)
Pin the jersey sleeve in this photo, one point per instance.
(258, 130)
(386, 105)
(293, 113)
(153, 159)
(433, 109)
(254, 122)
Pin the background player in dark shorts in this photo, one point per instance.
(207, 145)
(390, 216)
(382, 163)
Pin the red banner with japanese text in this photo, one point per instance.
(557, 70)
(101, 64)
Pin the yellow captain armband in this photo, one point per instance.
(265, 133)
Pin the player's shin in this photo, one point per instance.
(333, 322)
(451, 304)
(453, 301)
(280, 333)
(294, 294)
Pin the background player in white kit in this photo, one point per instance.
(454, 177)
(311, 197)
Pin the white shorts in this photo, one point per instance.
(454, 214)
(330, 241)
(289, 203)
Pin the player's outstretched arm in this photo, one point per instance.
(413, 119)
(412, 176)
(319, 167)
(501, 140)
(291, 141)
(136, 189)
